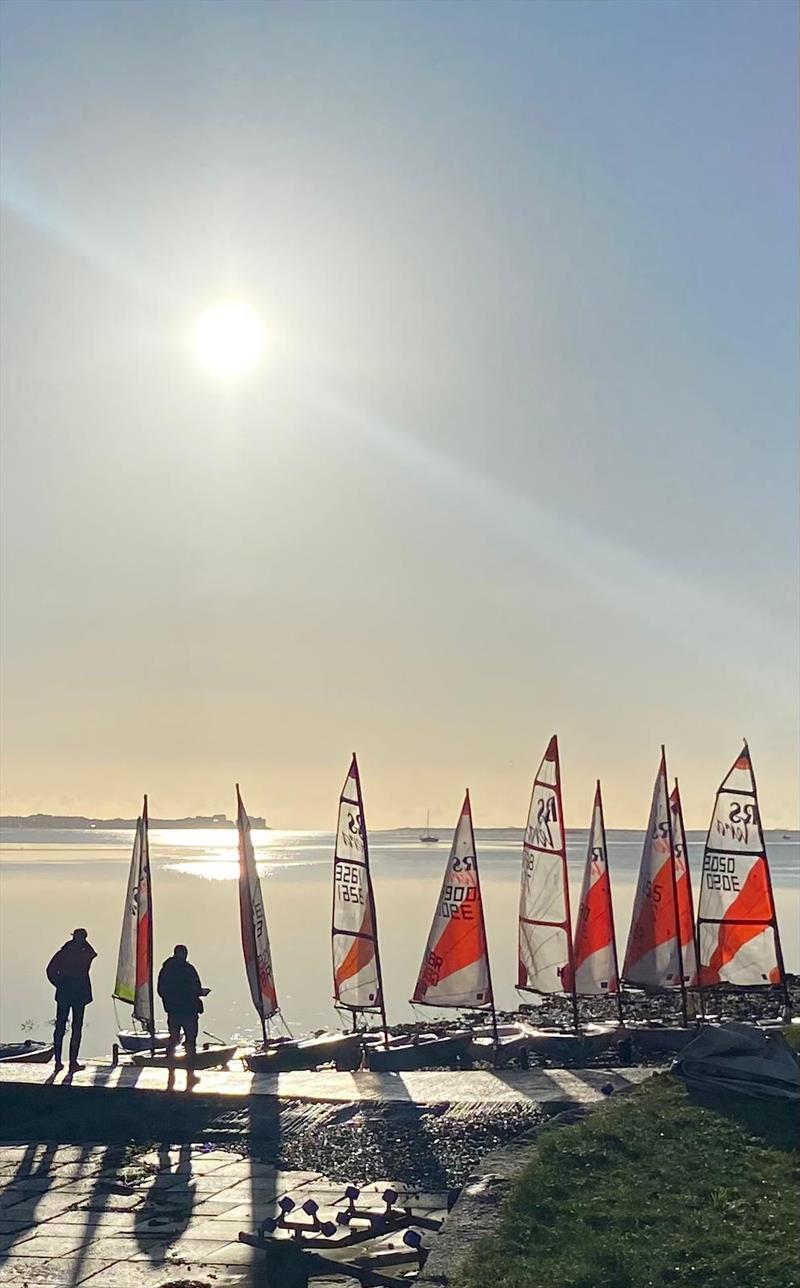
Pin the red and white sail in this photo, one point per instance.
(134, 980)
(545, 931)
(652, 959)
(737, 930)
(595, 953)
(356, 964)
(683, 886)
(455, 965)
(253, 921)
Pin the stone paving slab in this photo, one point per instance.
(325, 1085)
(188, 1235)
(57, 1274)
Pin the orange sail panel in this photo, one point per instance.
(134, 980)
(356, 972)
(595, 953)
(455, 965)
(545, 934)
(652, 959)
(683, 886)
(253, 921)
(736, 913)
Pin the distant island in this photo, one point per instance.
(79, 823)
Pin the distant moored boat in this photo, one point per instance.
(427, 836)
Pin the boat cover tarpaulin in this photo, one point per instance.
(740, 1058)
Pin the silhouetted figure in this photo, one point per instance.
(180, 990)
(68, 972)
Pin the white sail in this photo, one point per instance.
(652, 957)
(455, 965)
(253, 922)
(596, 969)
(134, 981)
(545, 933)
(737, 929)
(356, 965)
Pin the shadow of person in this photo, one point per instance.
(167, 1209)
(23, 1211)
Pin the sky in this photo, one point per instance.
(521, 454)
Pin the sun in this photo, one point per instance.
(229, 339)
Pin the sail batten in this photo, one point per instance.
(134, 978)
(253, 922)
(737, 931)
(545, 956)
(455, 965)
(357, 983)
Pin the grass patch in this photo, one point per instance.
(659, 1188)
(792, 1034)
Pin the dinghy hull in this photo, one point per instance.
(28, 1052)
(426, 1053)
(342, 1049)
(206, 1058)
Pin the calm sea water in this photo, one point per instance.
(51, 882)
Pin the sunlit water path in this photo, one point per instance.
(52, 881)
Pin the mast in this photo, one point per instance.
(374, 915)
(611, 911)
(687, 924)
(787, 1006)
(674, 875)
(357, 975)
(149, 888)
(546, 953)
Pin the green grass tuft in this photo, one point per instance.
(659, 1188)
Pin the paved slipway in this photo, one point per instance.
(127, 1212)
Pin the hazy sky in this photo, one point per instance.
(522, 454)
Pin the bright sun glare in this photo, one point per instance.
(229, 339)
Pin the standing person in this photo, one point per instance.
(68, 972)
(180, 990)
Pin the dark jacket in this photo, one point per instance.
(68, 972)
(179, 987)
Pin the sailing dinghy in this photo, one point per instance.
(595, 946)
(134, 981)
(738, 940)
(455, 969)
(546, 958)
(654, 955)
(546, 963)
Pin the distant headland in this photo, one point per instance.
(79, 823)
